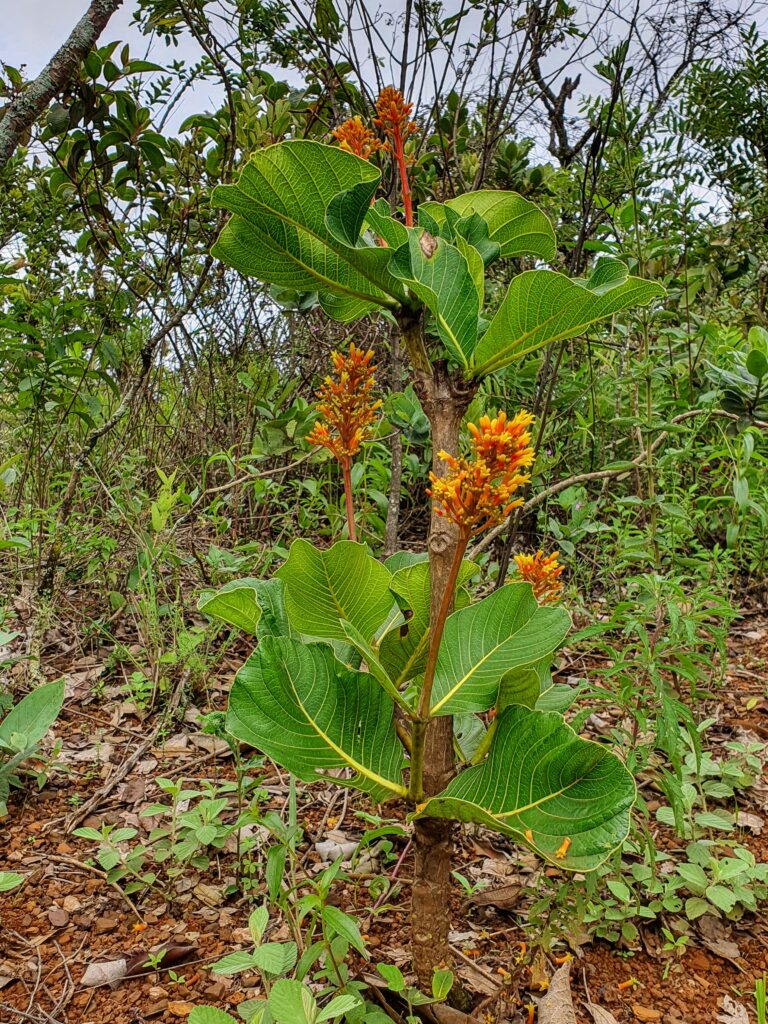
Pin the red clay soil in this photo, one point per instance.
(66, 916)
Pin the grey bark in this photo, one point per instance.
(25, 108)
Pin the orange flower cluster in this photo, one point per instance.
(477, 491)
(543, 574)
(394, 119)
(346, 404)
(355, 137)
(394, 115)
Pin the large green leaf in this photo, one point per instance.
(236, 603)
(26, 723)
(403, 650)
(440, 276)
(299, 207)
(540, 778)
(253, 605)
(274, 617)
(324, 587)
(486, 643)
(516, 225)
(542, 306)
(375, 667)
(297, 704)
(380, 220)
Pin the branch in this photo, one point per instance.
(27, 106)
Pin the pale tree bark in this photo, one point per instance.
(25, 108)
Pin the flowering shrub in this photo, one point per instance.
(306, 218)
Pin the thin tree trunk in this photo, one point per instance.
(25, 108)
(445, 399)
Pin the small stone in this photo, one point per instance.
(180, 1007)
(157, 992)
(217, 991)
(71, 904)
(59, 918)
(644, 1013)
(105, 925)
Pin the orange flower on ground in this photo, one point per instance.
(394, 119)
(543, 573)
(477, 491)
(346, 404)
(347, 410)
(354, 137)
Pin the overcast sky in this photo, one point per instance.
(32, 30)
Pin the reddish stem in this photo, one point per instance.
(346, 467)
(437, 632)
(404, 183)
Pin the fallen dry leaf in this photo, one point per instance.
(6, 979)
(539, 979)
(447, 1015)
(732, 1012)
(331, 849)
(211, 744)
(600, 1015)
(140, 963)
(503, 898)
(751, 821)
(208, 894)
(108, 973)
(176, 744)
(58, 917)
(132, 792)
(716, 936)
(477, 980)
(556, 1007)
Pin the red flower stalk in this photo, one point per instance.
(394, 120)
(348, 410)
(543, 574)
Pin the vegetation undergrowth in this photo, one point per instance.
(412, 460)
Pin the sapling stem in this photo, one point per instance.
(405, 184)
(346, 467)
(436, 634)
(419, 733)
